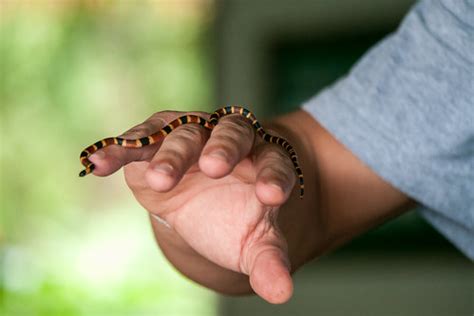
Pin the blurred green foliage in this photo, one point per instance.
(72, 73)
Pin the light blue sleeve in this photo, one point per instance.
(407, 111)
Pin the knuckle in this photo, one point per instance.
(176, 148)
(163, 116)
(224, 138)
(230, 139)
(229, 144)
(188, 133)
(236, 127)
(176, 158)
(280, 173)
(278, 158)
(159, 119)
(138, 131)
(180, 149)
(275, 154)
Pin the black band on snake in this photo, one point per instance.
(188, 119)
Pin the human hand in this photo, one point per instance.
(221, 195)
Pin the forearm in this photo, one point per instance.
(344, 197)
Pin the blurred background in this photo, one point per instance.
(73, 72)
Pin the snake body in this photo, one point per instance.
(188, 119)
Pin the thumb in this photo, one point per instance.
(270, 273)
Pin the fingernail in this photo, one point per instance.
(219, 154)
(165, 168)
(99, 154)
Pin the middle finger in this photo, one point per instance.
(231, 140)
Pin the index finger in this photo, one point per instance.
(111, 158)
